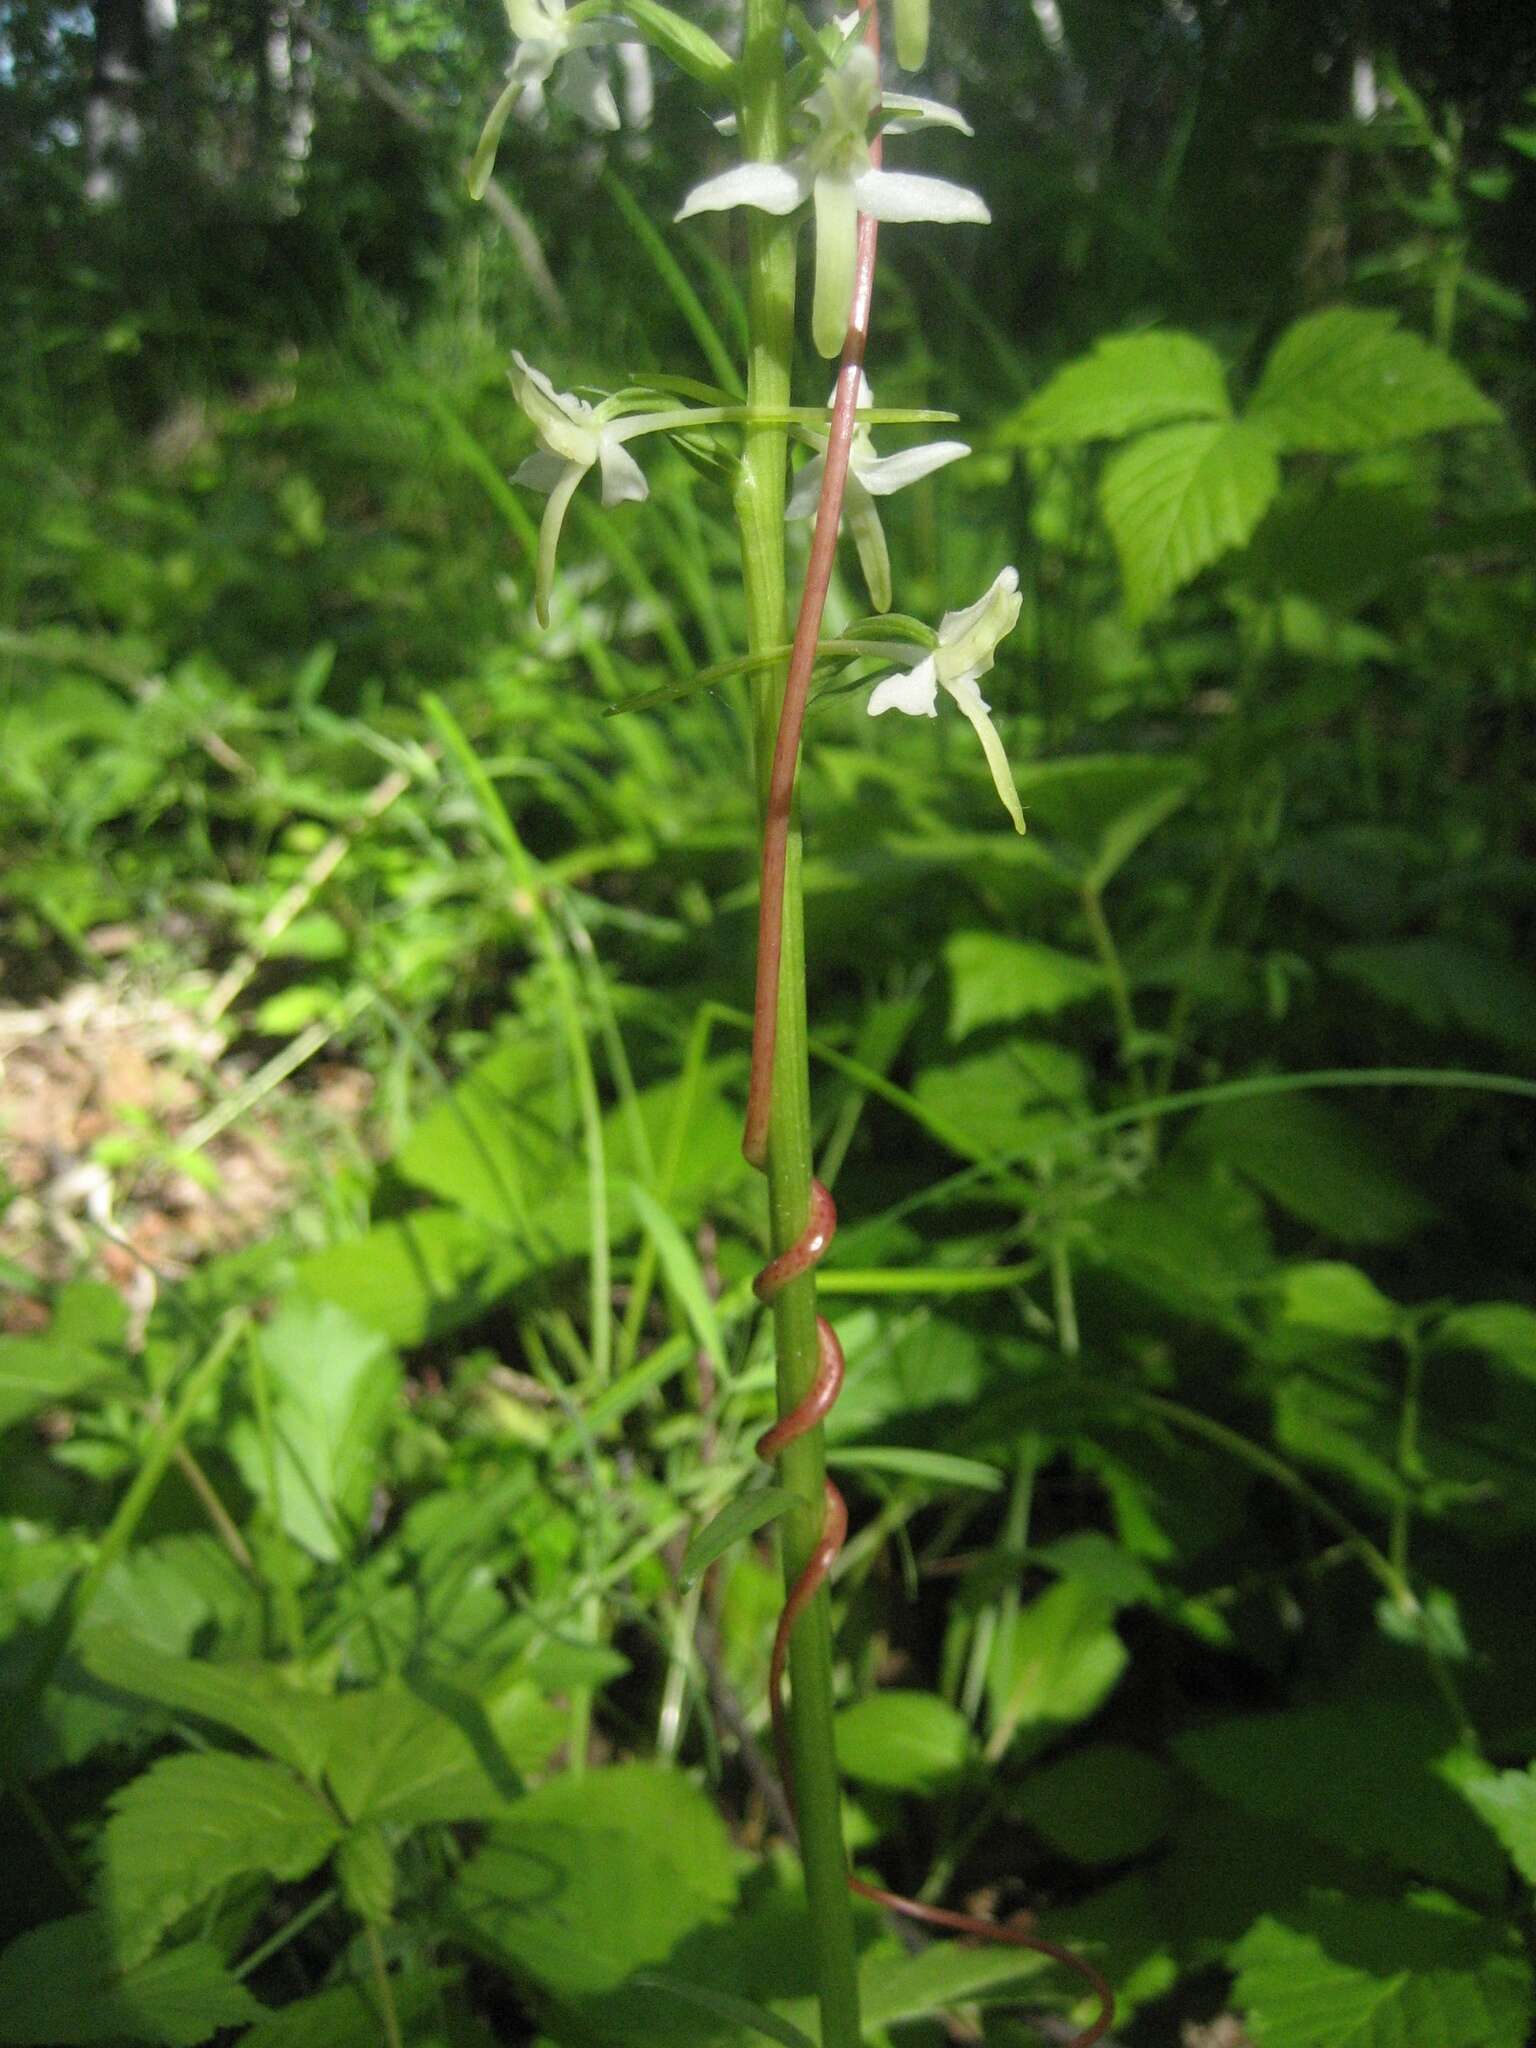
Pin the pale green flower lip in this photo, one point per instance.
(968, 642)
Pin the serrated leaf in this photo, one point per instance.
(905, 1741)
(1370, 1973)
(591, 1878)
(334, 1393)
(191, 1823)
(253, 1699)
(1348, 381)
(1128, 382)
(1326, 1294)
(1179, 498)
(60, 1985)
(996, 980)
(393, 1757)
(736, 1521)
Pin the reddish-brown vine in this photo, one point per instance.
(810, 1247)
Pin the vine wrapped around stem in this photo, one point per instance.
(810, 1247)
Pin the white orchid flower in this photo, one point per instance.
(573, 438)
(835, 172)
(546, 42)
(870, 476)
(967, 646)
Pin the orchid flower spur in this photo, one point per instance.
(967, 646)
(870, 476)
(834, 170)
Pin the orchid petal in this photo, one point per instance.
(887, 473)
(911, 34)
(623, 479)
(863, 519)
(968, 640)
(904, 196)
(837, 242)
(909, 110)
(806, 495)
(772, 188)
(916, 693)
(976, 708)
(541, 471)
(583, 88)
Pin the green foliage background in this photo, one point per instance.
(1183, 1148)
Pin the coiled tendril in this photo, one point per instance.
(802, 1256)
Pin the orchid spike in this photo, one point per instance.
(966, 649)
(834, 170)
(870, 476)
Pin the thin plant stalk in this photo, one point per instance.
(781, 1128)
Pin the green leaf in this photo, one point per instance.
(905, 1741)
(347, 2015)
(191, 1823)
(681, 1267)
(1177, 499)
(1503, 1329)
(1371, 1973)
(253, 1699)
(1012, 1095)
(590, 1878)
(417, 1276)
(1348, 381)
(1449, 987)
(365, 1870)
(1100, 1804)
(688, 46)
(395, 1758)
(895, 1989)
(994, 980)
(1368, 1778)
(61, 1985)
(1130, 381)
(741, 1518)
(1061, 1663)
(335, 1392)
(1506, 1800)
(1318, 1163)
(82, 1349)
(737, 2012)
(1327, 1295)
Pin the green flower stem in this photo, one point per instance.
(760, 502)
